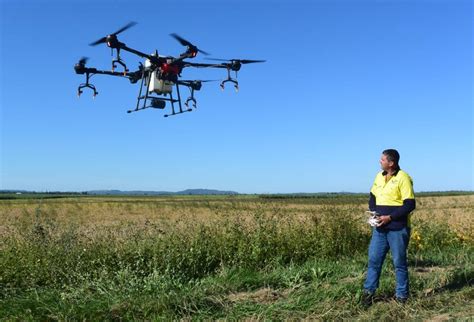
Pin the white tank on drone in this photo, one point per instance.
(158, 86)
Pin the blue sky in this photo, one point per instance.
(343, 81)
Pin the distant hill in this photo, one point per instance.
(161, 193)
(206, 192)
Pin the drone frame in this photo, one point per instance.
(149, 99)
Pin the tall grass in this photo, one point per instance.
(171, 267)
(43, 253)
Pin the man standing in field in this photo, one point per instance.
(393, 199)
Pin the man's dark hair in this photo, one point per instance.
(392, 155)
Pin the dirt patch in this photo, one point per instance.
(432, 269)
(264, 296)
(441, 317)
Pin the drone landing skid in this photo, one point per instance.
(159, 102)
(155, 102)
(176, 113)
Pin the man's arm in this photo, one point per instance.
(408, 197)
(408, 206)
(372, 198)
(372, 202)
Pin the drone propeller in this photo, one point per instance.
(80, 66)
(83, 61)
(186, 43)
(113, 35)
(242, 61)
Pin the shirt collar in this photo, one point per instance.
(394, 174)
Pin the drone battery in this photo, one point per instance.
(160, 86)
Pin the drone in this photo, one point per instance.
(158, 75)
(374, 219)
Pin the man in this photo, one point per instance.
(392, 197)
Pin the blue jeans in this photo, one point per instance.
(381, 242)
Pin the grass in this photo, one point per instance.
(217, 257)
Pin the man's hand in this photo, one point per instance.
(384, 220)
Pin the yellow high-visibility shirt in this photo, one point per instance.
(394, 191)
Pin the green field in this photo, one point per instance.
(232, 257)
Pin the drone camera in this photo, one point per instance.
(158, 103)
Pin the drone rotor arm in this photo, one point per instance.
(153, 59)
(203, 65)
(235, 60)
(106, 72)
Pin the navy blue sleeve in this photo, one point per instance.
(408, 206)
(372, 202)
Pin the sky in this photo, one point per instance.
(342, 81)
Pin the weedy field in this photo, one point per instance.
(229, 257)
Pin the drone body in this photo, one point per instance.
(159, 75)
(164, 78)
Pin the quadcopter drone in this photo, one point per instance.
(159, 74)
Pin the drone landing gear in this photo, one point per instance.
(181, 111)
(157, 102)
(232, 80)
(86, 85)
